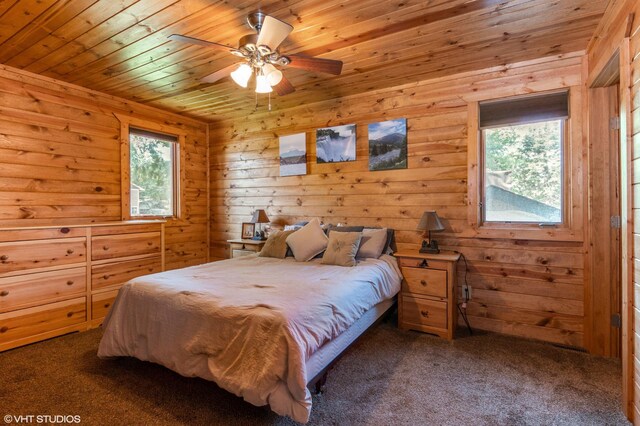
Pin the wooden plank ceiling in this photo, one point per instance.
(120, 47)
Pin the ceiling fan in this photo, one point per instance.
(261, 56)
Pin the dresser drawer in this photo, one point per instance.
(430, 282)
(23, 291)
(24, 255)
(112, 246)
(118, 273)
(101, 303)
(25, 323)
(423, 312)
(239, 253)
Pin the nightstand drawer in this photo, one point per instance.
(423, 312)
(430, 282)
(406, 262)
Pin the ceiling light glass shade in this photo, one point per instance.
(274, 75)
(242, 75)
(262, 85)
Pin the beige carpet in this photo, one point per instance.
(389, 378)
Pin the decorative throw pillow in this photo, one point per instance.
(308, 241)
(373, 243)
(342, 248)
(333, 228)
(276, 245)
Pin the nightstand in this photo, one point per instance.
(241, 247)
(427, 300)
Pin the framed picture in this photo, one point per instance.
(336, 144)
(293, 155)
(388, 145)
(248, 229)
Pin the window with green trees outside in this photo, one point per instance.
(153, 159)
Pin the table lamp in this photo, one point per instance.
(259, 217)
(430, 222)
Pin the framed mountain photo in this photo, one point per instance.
(293, 155)
(388, 145)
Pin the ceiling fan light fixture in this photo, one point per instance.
(274, 75)
(264, 50)
(262, 84)
(242, 75)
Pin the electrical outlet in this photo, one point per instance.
(466, 289)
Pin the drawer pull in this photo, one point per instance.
(106, 305)
(4, 257)
(64, 230)
(424, 264)
(70, 251)
(423, 282)
(424, 314)
(70, 282)
(105, 248)
(69, 314)
(4, 329)
(4, 293)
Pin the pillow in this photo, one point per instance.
(331, 228)
(373, 243)
(342, 249)
(276, 245)
(307, 241)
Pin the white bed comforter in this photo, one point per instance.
(249, 324)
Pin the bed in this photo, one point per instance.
(261, 328)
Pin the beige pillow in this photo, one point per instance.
(342, 248)
(373, 242)
(308, 241)
(276, 245)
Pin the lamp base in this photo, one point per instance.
(430, 247)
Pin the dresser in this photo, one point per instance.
(427, 300)
(56, 280)
(242, 247)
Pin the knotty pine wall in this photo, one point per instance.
(60, 160)
(520, 287)
(619, 33)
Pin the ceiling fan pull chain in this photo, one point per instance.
(269, 101)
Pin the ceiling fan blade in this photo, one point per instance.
(222, 73)
(273, 32)
(284, 87)
(192, 40)
(328, 66)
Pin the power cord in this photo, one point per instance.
(462, 307)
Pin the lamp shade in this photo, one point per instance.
(260, 216)
(262, 84)
(430, 222)
(242, 75)
(274, 75)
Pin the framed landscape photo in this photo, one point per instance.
(388, 145)
(336, 144)
(293, 155)
(248, 229)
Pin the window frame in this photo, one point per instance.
(571, 228)
(126, 123)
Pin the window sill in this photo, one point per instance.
(515, 232)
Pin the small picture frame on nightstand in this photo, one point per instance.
(248, 229)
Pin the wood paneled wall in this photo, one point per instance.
(619, 35)
(532, 288)
(60, 160)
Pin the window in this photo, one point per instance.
(522, 148)
(154, 171)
